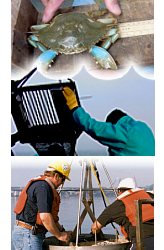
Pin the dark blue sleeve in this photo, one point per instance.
(44, 197)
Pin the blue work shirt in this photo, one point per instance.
(127, 137)
(40, 198)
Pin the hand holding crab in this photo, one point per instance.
(51, 6)
(113, 6)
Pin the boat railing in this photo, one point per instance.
(139, 231)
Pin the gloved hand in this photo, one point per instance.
(70, 98)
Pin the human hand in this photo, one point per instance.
(51, 6)
(70, 98)
(65, 236)
(96, 226)
(113, 6)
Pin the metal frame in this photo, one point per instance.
(42, 117)
(87, 202)
(139, 233)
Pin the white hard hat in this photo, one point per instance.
(127, 183)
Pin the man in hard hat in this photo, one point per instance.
(123, 212)
(123, 135)
(37, 209)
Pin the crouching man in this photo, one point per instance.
(123, 212)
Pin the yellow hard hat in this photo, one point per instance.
(62, 167)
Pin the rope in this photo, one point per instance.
(102, 191)
(109, 179)
(94, 172)
(79, 208)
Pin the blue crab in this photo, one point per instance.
(72, 33)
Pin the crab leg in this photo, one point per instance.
(46, 58)
(113, 36)
(33, 40)
(109, 21)
(39, 27)
(103, 57)
(108, 42)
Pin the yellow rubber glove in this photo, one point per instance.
(70, 98)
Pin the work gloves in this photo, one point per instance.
(70, 98)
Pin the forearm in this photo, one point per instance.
(98, 130)
(50, 225)
(60, 227)
(84, 120)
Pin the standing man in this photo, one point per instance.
(37, 209)
(123, 212)
(122, 134)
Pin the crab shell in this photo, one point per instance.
(72, 33)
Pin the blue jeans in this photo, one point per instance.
(23, 239)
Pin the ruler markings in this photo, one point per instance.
(140, 28)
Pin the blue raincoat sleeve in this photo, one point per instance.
(106, 133)
(127, 137)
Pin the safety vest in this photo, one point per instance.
(23, 198)
(128, 198)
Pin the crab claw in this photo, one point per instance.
(46, 58)
(103, 57)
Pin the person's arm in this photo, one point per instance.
(104, 132)
(44, 198)
(60, 227)
(96, 226)
(113, 213)
(50, 225)
(51, 6)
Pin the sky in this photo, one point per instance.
(133, 93)
(139, 168)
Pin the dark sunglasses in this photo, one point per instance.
(62, 177)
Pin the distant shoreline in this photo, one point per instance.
(74, 191)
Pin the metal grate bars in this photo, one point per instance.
(39, 107)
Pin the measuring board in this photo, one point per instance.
(140, 28)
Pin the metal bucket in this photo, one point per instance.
(86, 243)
